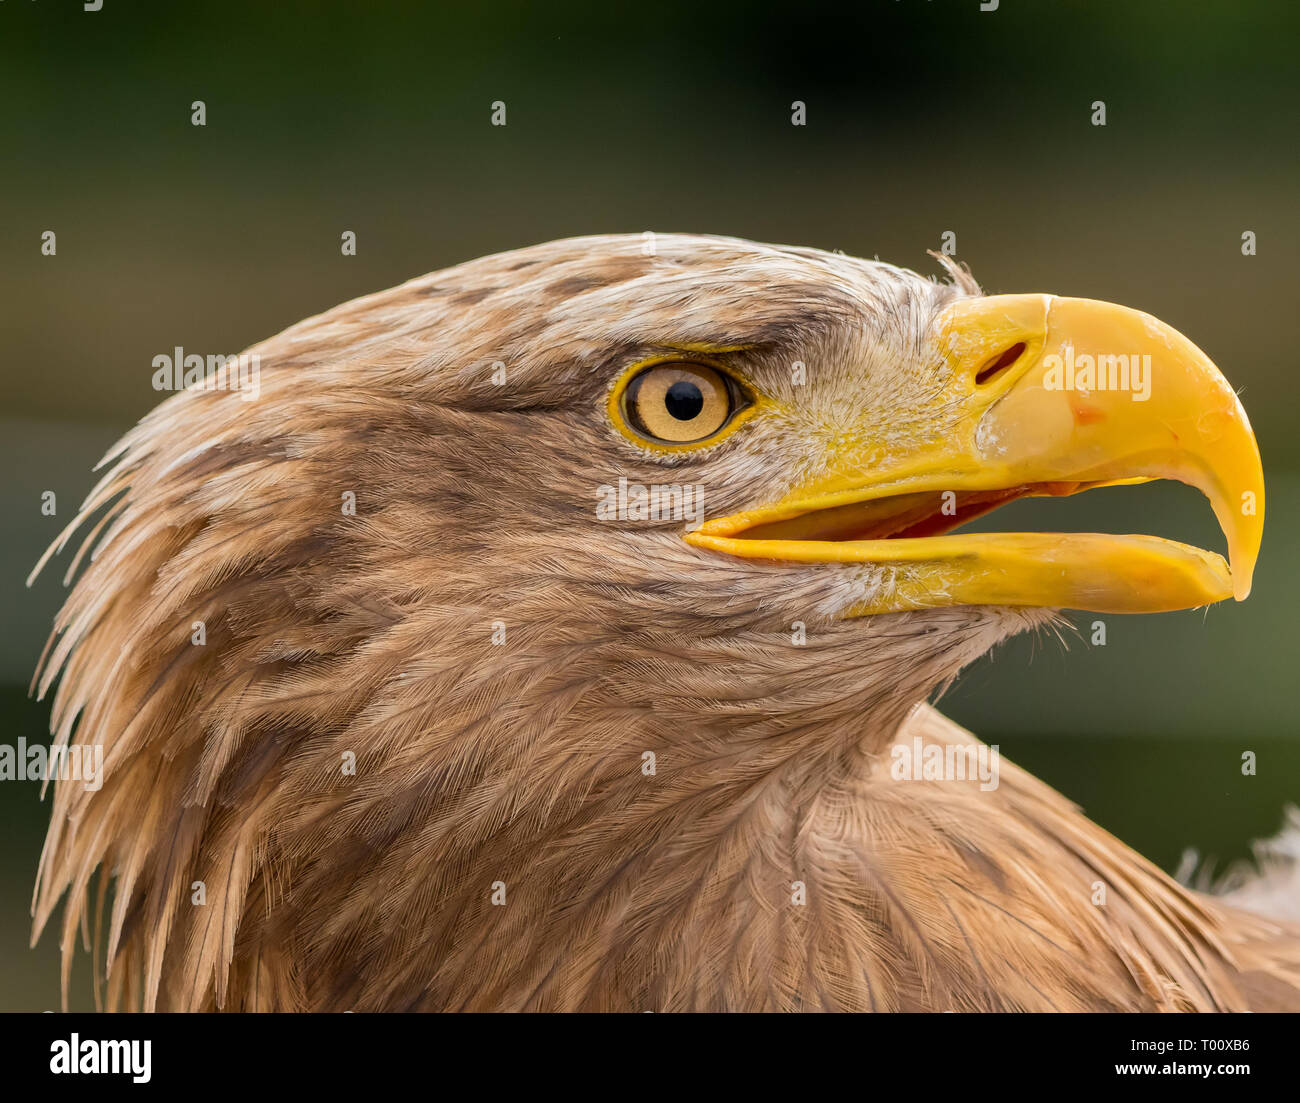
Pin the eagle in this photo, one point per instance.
(546, 634)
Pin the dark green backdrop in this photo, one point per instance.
(922, 117)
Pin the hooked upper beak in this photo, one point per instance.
(1056, 395)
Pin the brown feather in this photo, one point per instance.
(330, 635)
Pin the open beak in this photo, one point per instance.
(1057, 395)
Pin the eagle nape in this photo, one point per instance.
(564, 616)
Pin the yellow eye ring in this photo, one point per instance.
(674, 405)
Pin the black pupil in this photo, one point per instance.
(684, 400)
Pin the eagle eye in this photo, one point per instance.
(680, 403)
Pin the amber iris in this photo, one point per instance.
(676, 403)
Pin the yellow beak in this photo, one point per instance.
(1056, 396)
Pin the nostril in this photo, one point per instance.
(999, 364)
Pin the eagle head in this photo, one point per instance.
(538, 623)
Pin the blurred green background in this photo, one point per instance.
(922, 117)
